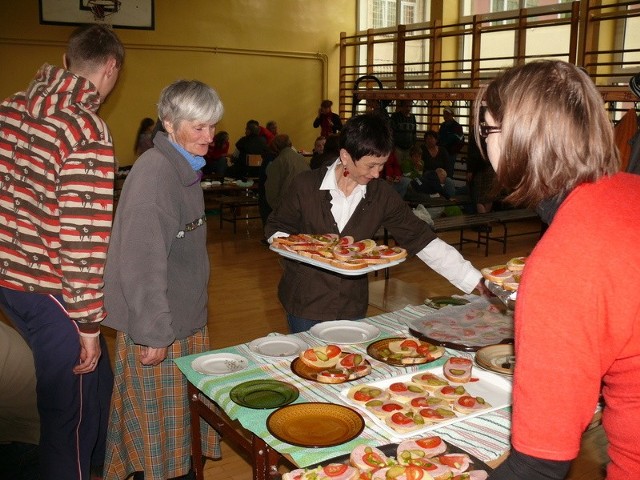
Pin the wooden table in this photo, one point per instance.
(267, 453)
(264, 459)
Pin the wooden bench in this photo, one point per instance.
(231, 209)
(484, 223)
(504, 217)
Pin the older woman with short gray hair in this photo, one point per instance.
(156, 291)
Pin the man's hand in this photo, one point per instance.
(150, 356)
(89, 355)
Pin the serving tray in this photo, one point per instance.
(325, 266)
(495, 389)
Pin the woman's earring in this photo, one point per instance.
(345, 172)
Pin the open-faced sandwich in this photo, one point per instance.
(429, 381)
(384, 408)
(436, 414)
(321, 357)
(458, 369)
(368, 459)
(329, 364)
(496, 273)
(408, 351)
(420, 448)
(405, 421)
(468, 404)
(365, 393)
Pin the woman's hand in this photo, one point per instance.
(151, 356)
(483, 290)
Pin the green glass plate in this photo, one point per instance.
(263, 394)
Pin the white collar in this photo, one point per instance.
(330, 183)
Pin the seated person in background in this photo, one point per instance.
(216, 156)
(433, 183)
(251, 144)
(318, 145)
(330, 152)
(318, 148)
(392, 173)
(413, 166)
(433, 156)
(282, 170)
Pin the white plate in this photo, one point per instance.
(278, 346)
(344, 332)
(331, 268)
(495, 389)
(219, 363)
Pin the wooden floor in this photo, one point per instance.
(243, 306)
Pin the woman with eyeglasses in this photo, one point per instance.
(577, 317)
(156, 280)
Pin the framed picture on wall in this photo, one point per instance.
(117, 13)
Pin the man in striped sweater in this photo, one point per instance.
(56, 200)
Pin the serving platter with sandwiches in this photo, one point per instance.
(330, 364)
(404, 351)
(338, 254)
(424, 458)
(418, 402)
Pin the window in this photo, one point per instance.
(389, 13)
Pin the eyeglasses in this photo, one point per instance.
(486, 130)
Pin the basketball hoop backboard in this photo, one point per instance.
(117, 13)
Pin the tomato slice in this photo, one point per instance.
(460, 361)
(424, 350)
(333, 351)
(429, 442)
(361, 396)
(413, 472)
(390, 407)
(310, 355)
(398, 387)
(430, 413)
(335, 469)
(447, 390)
(452, 460)
(419, 402)
(467, 401)
(401, 419)
(359, 246)
(407, 344)
(351, 360)
(346, 240)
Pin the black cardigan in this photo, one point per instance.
(317, 294)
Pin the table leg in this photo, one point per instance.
(264, 459)
(196, 440)
(265, 465)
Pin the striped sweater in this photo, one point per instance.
(56, 192)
